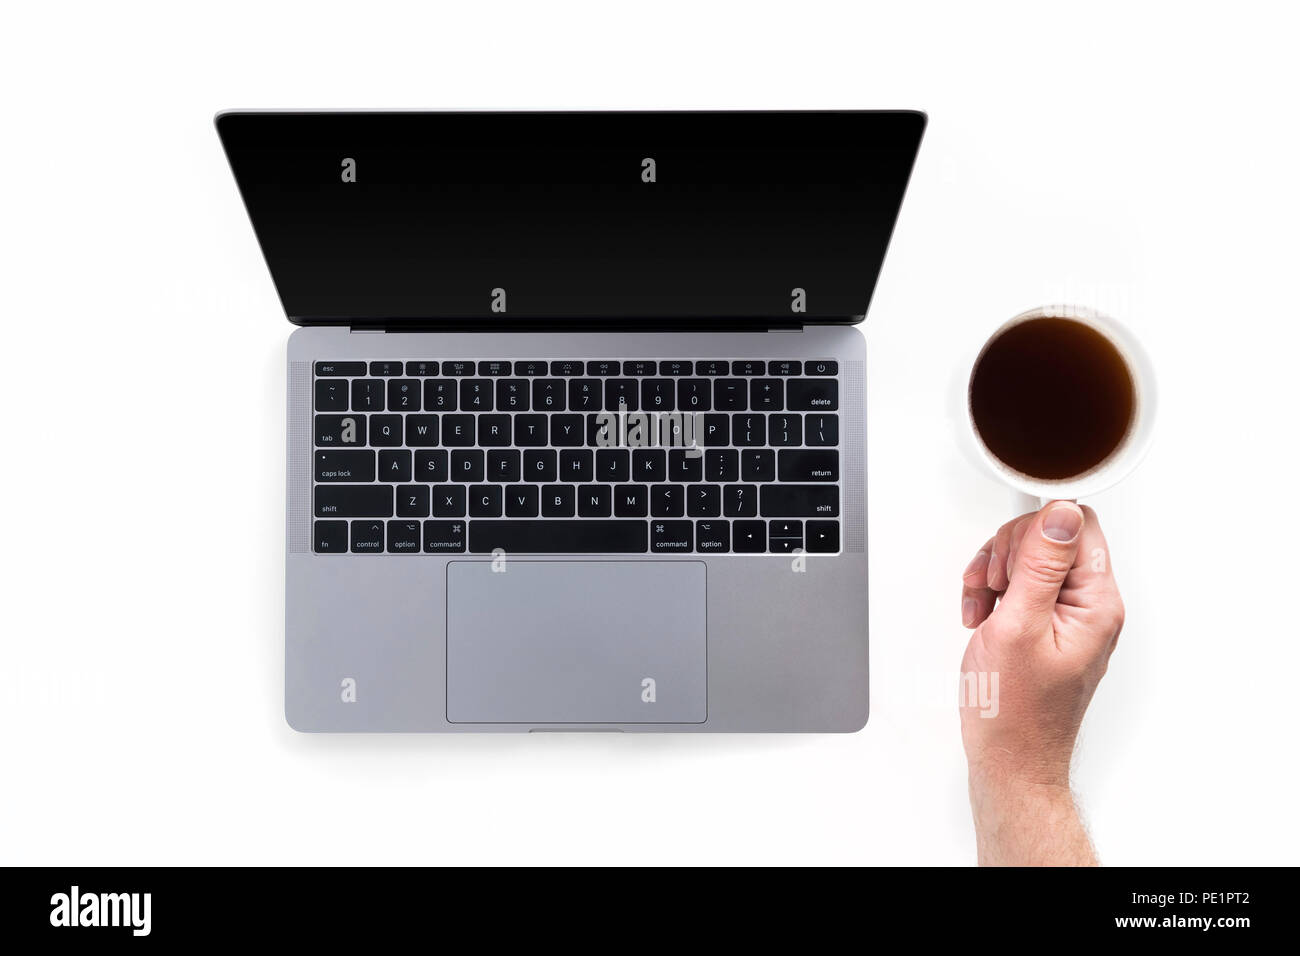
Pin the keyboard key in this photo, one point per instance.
(694, 394)
(353, 501)
(367, 395)
(712, 536)
(576, 465)
(671, 536)
(785, 367)
(421, 430)
(729, 394)
(667, 501)
(530, 430)
(521, 501)
(494, 369)
(602, 430)
(750, 537)
(639, 369)
(822, 429)
(421, 369)
(704, 501)
(765, 394)
(809, 464)
(386, 369)
(430, 466)
(539, 465)
(568, 369)
(821, 368)
(814, 394)
(530, 369)
(722, 465)
(749, 367)
(512, 394)
(412, 501)
(345, 465)
(386, 431)
(683, 466)
(458, 431)
(476, 395)
(740, 501)
(675, 368)
(448, 501)
(330, 537)
(603, 369)
(585, 394)
(350, 369)
(440, 395)
(444, 537)
(567, 431)
(395, 465)
(657, 394)
(748, 431)
(548, 395)
(613, 464)
(467, 465)
(494, 430)
(403, 395)
(404, 537)
(559, 537)
(340, 430)
(712, 367)
(557, 501)
(823, 537)
(784, 430)
(484, 501)
(784, 537)
(800, 501)
(367, 537)
(649, 464)
(758, 464)
(621, 395)
(331, 395)
(631, 501)
(716, 431)
(458, 369)
(503, 465)
(594, 501)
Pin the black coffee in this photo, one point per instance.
(1052, 398)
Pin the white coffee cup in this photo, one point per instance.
(1031, 493)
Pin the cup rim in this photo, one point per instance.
(1131, 450)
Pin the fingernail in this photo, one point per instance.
(1063, 523)
(978, 565)
(968, 611)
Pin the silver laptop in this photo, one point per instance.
(576, 431)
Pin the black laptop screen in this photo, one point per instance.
(425, 217)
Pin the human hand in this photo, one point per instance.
(1047, 614)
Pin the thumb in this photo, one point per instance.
(1045, 557)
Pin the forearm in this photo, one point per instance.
(1027, 824)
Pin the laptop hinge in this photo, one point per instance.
(478, 325)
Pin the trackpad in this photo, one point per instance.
(576, 642)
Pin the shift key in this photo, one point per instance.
(799, 501)
(354, 501)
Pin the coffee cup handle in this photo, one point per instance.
(1022, 503)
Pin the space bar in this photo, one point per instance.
(558, 537)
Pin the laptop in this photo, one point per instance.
(576, 413)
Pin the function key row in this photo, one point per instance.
(576, 367)
(577, 394)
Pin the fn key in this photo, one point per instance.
(330, 537)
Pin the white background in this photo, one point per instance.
(1141, 160)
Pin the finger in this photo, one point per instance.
(976, 573)
(1045, 557)
(1092, 570)
(976, 605)
(1017, 535)
(997, 577)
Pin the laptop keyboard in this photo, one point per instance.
(576, 457)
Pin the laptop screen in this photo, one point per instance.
(618, 217)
